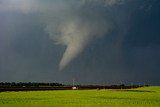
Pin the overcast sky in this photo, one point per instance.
(91, 41)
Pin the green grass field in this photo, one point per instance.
(141, 97)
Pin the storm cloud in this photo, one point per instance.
(69, 25)
(90, 37)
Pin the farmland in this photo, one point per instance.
(139, 97)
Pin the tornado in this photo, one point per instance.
(77, 33)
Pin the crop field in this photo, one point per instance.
(140, 97)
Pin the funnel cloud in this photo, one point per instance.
(76, 33)
(78, 29)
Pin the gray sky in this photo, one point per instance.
(92, 41)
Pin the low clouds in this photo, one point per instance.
(97, 38)
(69, 25)
(105, 2)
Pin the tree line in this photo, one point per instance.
(27, 84)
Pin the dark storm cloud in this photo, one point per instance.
(75, 27)
(104, 42)
(24, 49)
